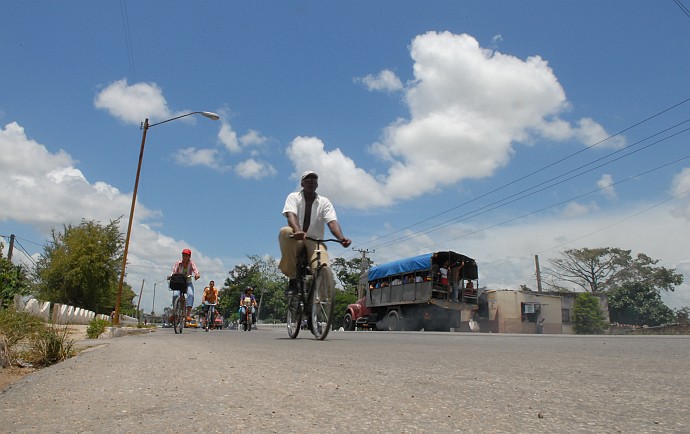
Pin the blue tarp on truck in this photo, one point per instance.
(424, 263)
(401, 266)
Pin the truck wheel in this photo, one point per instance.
(393, 321)
(348, 323)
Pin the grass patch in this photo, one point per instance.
(16, 329)
(49, 346)
(26, 337)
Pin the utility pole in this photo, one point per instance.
(9, 252)
(364, 263)
(139, 301)
(536, 263)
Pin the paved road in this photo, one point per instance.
(261, 381)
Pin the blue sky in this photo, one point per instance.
(472, 126)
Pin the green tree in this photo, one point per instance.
(14, 280)
(80, 267)
(269, 284)
(587, 315)
(638, 304)
(348, 273)
(604, 269)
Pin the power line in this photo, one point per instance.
(515, 181)
(682, 7)
(544, 185)
(575, 198)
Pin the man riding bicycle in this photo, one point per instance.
(307, 213)
(210, 297)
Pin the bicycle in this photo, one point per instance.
(210, 319)
(315, 295)
(178, 282)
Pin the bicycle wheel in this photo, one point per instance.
(176, 316)
(294, 315)
(182, 313)
(323, 303)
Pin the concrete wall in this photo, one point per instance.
(60, 313)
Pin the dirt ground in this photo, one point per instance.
(12, 374)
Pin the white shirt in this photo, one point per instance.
(322, 212)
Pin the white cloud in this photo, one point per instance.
(606, 184)
(196, 157)
(468, 105)
(229, 138)
(252, 168)
(576, 209)
(386, 80)
(252, 138)
(591, 133)
(132, 104)
(338, 175)
(32, 175)
(680, 187)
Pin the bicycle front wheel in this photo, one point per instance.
(294, 315)
(179, 314)
(323, 303)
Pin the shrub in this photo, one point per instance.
(49, 346)
(96, 327)
(588, 318)
(16, 327)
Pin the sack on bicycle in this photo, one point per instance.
(178, 282)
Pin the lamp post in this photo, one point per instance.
(145, 127)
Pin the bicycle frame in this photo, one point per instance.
(317, 305)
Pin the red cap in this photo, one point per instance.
(187, 252)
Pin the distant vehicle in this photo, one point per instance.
(218, 323)
(410, 294)
(193, 324)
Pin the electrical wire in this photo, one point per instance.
(515, 181)
(538, 188)
(682, 7)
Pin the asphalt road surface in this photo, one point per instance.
(262, 381)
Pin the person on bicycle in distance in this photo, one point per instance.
(187, 267)
(210, 297)
(247, 298)
(307, 212)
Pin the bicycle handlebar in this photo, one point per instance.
(316, 240)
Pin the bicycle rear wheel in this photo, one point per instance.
(209, 315)
(323, 303)
(295, 312)
(181, 313)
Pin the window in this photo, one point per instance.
(565, 316)
(530, 311)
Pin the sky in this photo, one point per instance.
(500, 130)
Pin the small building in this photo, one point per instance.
(507, 311)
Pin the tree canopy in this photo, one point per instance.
(638, 304)
(80, 266)
(14, 280)
(604, 269)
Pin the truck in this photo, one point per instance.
(415, 293)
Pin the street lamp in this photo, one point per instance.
(145, 127)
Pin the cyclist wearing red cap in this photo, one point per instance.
(187, 267)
